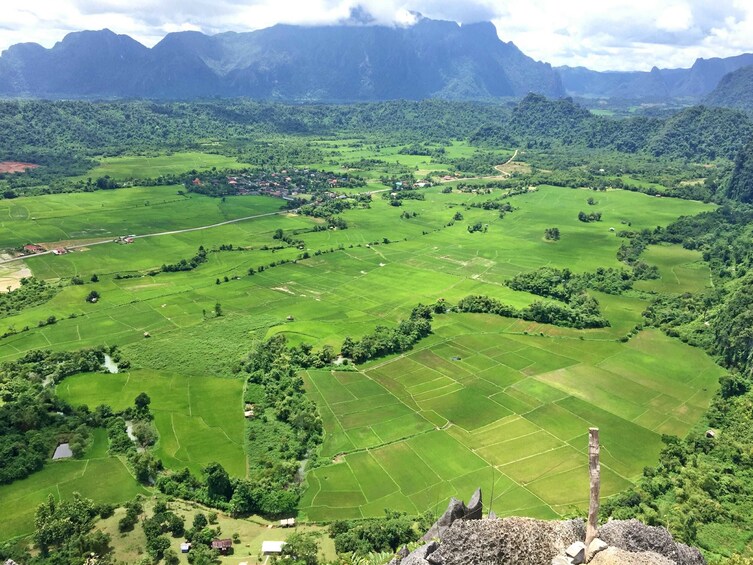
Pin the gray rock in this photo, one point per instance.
(562, 560)
(401, 554)
(522, 541)
(456, 510)
(419, 556)
(617, 556)
(475, 506)
(689, 555)
(577, 552)
(596, 546)
(635, 536)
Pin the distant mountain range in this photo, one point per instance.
(333, 63)
(339, 63)
(656, 84)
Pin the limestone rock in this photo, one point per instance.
(475, 506)
(522, 541)
(687, 555)
(617, 556)
(401, 554)
(456, 510)
(419, 556)
(635, 536)
(577, 552)
(596, 546)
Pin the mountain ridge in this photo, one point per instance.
(330, 63)
(431, 58)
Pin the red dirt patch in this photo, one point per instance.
(15, 167)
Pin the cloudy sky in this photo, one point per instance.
(606, 34)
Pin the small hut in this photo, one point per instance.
(222, 545)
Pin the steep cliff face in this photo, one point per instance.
(336, 63)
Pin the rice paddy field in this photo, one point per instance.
(484, 401)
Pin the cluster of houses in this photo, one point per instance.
(286, 184)
(225, 546)
(34, 249)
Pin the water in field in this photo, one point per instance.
(110, 365)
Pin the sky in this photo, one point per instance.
(601, 35)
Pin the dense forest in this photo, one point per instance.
(696, 133)
(65, 136)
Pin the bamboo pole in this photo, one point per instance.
(594, 471)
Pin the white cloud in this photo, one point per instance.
(607, 34)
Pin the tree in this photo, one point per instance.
(218, 309)
(552, 234)
(95, 278)
(145, 466)
(218, 482)
(142, 401)
(300, 549)
(144, 433)
(59, 522)
(203, 555)
(93, 296)
(170, 557)
(200, 521)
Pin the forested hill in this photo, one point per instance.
(735, 90)
(696, 133)
(67, 133)
(325, 63)
(656, 84)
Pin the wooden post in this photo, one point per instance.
(594, 471)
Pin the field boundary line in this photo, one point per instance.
(175, 434)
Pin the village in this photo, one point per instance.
(286, 184)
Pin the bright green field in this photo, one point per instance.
(512, 412)
(192, 431)
(108, 214)
(682, 270)
(423, 427)
(97, 476)
(151, 167)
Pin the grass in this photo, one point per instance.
(96, 476)
(129, 167)
(532, 429)
(87, 216)
(131, 546)
(483, 401)
(192, 432)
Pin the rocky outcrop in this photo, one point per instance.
(617, 556)
(525, 541)
(509, 540)
(456, 510)
(635, 536)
